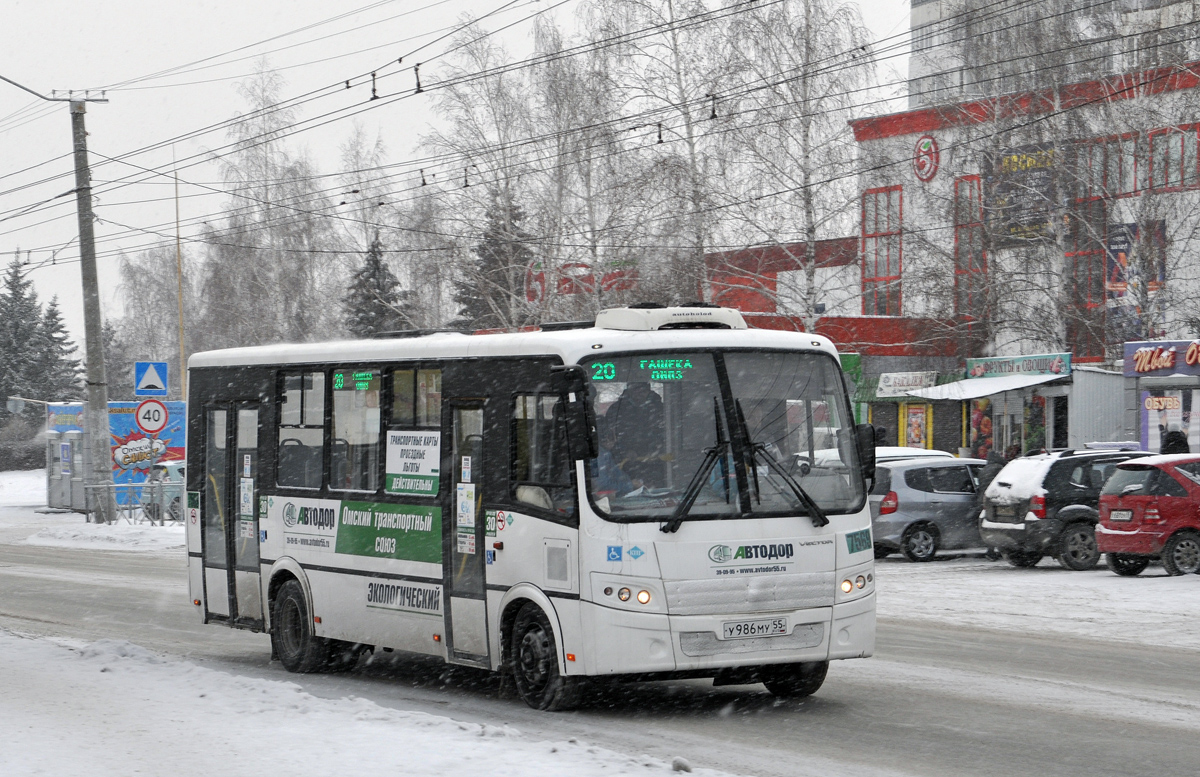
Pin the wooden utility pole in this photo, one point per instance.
(103, 503)
(179, 281)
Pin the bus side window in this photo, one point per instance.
(301, 430)
(354, 451)
(541, 465)
(417, 398)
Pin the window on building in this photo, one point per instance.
(354, 463)
(301, 430)
(1085, 265)
(1173, 158)
(970, 257)
(1109, 167)
(541, 463)
(882, 211)
(1086, 252)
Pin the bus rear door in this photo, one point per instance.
(229, 515)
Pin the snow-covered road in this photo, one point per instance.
(982, 669)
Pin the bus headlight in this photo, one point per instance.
(847, 586)
(643, 597)
(623, 594)
(860, 581)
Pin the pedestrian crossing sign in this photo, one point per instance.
(150, 379)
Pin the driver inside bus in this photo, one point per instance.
(637, 420)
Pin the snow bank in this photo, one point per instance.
(23, 488)
(1152, 609)
(116, 536)
(113, 708)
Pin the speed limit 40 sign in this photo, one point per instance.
(151, 416)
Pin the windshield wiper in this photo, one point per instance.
(814, 510)
(711, 456)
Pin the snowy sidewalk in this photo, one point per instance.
(112, 708)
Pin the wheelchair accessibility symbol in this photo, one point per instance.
(614, 552)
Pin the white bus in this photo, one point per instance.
(662, 493)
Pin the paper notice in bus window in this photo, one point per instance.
(466, 505)
(246, 529)
(466, 543)
(246, 503)
(413, 463)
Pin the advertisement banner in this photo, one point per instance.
(1135, 256)
(413, 463)
(1156, 358)
(898, 384)
(134, 451)
(1174, 412)
(1018, 187)
(1135, 267)
(981, 428)
(916, 423)
(374, 529)
(1038, 364)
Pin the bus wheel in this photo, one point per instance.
(535, 663)
(1126, 564)
(794, 681)
(292, 637)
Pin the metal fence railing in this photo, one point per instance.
(155, 501)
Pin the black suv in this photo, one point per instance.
(1046, 504)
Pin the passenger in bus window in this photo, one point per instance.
(636, 418)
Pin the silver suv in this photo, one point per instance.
(919, 506)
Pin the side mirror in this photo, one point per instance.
(582, 439)
(865, 437)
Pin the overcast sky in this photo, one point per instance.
(171, 70)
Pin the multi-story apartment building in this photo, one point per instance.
(971, 49)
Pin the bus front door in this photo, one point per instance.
(466, 620)
(232, 588)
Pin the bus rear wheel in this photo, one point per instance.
(535, 663)
(292, 637)
(794, 681)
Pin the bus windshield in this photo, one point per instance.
(754, 433)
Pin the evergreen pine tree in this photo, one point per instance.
(20, 336)
(374, 297)
(57, 369)
(492, 292)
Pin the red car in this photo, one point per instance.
(1151, 508)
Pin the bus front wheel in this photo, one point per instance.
(535, 663)
(794, 681)
(292, 637)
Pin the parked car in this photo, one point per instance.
(895, 453)
(162, 494)
(1047, 504)
(922, 505)
(1150, 508)
(831, 457)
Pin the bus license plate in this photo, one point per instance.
(1121, 515)
(743, 629)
